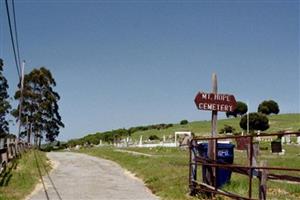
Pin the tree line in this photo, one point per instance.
(38, 101)
(114, 136)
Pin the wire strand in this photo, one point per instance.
(12, 38)
(16, 34)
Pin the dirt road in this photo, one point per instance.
(79, 176)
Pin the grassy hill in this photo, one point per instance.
(277, 123)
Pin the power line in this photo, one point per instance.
(15, 43)
(16, 33)
(12, 38)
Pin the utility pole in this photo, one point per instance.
(21, 97)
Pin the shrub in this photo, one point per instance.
(183, 122)
(169, 125)
(153, 137)
(227, 129)
(47, 148)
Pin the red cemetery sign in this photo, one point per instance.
(215, 102)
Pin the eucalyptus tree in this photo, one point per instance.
(4, 103)
(40, 105)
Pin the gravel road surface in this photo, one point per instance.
(79, 176)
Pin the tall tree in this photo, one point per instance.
(268, 107)
(257, 121)
(241, 109)
(4, 103)
(40, 105)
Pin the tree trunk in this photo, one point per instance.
(35, 139)
(29, 133)
(40, 141)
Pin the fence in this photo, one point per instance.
(252, 170)
(10, 148)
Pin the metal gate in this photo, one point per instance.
(251, 169)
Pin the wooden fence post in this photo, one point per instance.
(9, 149)
(2, 153)
(255, 153)
(13, 145)
(263, 181)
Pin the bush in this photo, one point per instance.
(169, 125)
(183, 122)
(257, 121)
(153, 137)
(227, 129)
(47, 148)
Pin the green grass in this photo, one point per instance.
(277, 123)
(276, 190)
(21, 176)
(166, 171)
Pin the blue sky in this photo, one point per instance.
(126, 63)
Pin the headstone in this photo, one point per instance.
(164, 138)
(127, 141)
(288, 139)
(298, 139)
(282, 140)
(258, 138)
(141, 141)
(100, 143)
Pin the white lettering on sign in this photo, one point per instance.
(217, 97)
(204, 95)
(215, 102)
(221, 97)
(216, 107)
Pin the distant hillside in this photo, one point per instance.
(277, 123)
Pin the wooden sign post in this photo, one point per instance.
(214, 102)
(212, 154)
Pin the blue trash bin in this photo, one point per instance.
(225, 156)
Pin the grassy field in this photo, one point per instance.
(165, 170)
(21, 176)
(277, 123)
